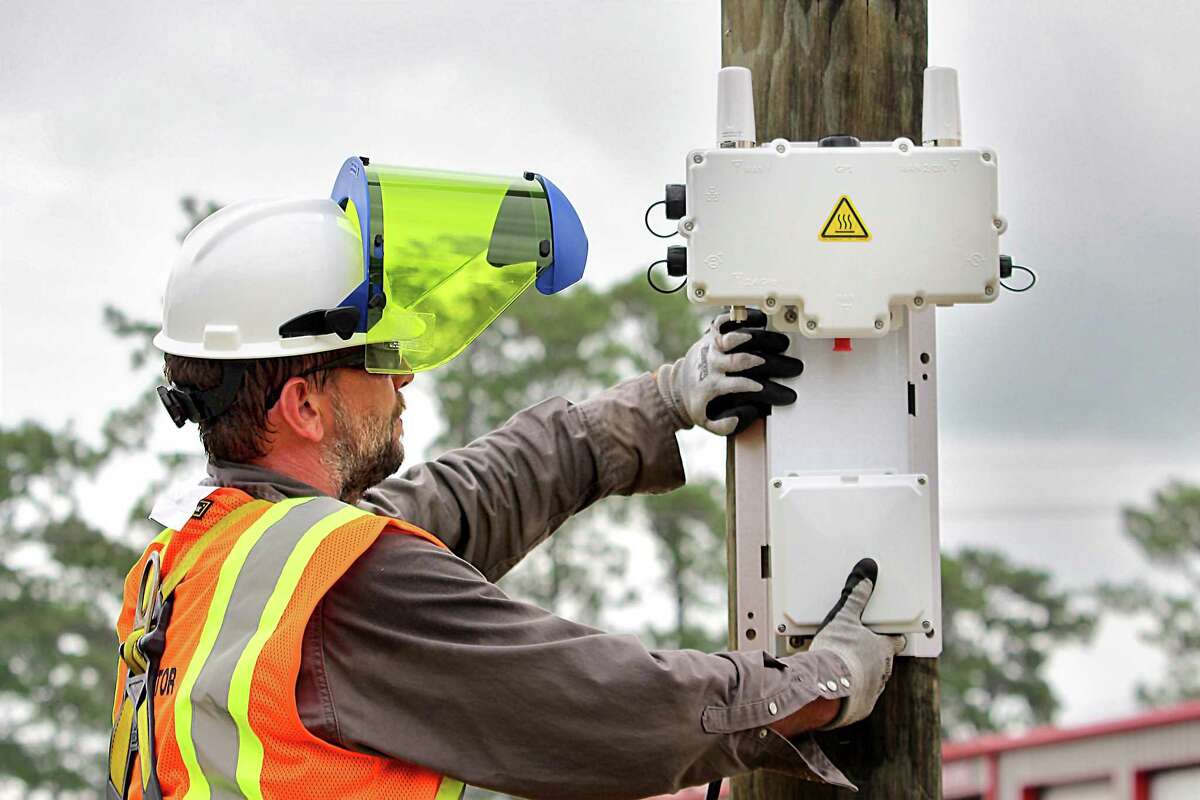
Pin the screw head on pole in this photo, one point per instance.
(878, 324)
(790, 315)
(811, 324)
(697, 159)
(781, 628)
(699, 292)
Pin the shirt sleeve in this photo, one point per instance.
(423, 660)
(492, 501)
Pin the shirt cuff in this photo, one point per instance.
(770, 693)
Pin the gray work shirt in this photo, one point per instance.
(417, 655)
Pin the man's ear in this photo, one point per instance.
(301, 410)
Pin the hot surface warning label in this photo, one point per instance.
(844, 224)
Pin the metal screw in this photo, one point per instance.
(997, 224)
(777, 484)
(878, 324)
(926, 624)
(790, 315)
(811, 324)
(921, 481)
(697, 159)
(770, 302)
(781, 628)
(903, 147)
(699, 292)
(989, 290)
(689, 225)
(987, 156)
(779, 148)
(918, 301)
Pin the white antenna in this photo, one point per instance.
(735, 108)
(941, 124)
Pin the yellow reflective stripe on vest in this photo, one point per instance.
(198, 786)
(179, 570)
(450, 789)
(250, 749)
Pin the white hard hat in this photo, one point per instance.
(407, 265)
(252, 266)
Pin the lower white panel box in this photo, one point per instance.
(821, 525)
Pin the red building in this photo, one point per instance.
(1151, 756)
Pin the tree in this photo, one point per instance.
(61, 579)
(1168, 535)
(1001, 621)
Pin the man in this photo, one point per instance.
(325, 630)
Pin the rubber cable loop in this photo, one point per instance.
(1032, 280)
(656, 287)
(647, 221)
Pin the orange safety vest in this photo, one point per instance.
(238, 584)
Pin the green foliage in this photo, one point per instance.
(1001, 621)
(1168, 534)
(61, 579)
(59, 582)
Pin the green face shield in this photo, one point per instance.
(445, 253)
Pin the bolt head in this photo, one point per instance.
(770, 302)
(989, 290)
(903, 148)
(811, 324)
(699, 292)
(790, 315)
(926, 624)
(781, 628)
(777, 484)
(997, 224)
(697, 159)
(987, 156)
(918, 301)
(689, 225)
(921, 481)
(878, 324)
(780, 148)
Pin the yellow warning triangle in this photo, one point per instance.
(844, 224)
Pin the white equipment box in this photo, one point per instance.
(848, 247)
(833, 520)
(841, 236)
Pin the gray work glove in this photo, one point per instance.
(724, 382)
(868, 656)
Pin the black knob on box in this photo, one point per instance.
(677, 261)
(676, 200)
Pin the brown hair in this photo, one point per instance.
(241, 432)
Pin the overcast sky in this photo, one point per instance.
(1056, 406)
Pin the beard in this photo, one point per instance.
(364, 450)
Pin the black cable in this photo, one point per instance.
(654, 286)
(1032, 280)
(714, 790)
(647, 220)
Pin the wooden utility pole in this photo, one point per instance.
(856, 67)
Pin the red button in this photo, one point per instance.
(842, 346)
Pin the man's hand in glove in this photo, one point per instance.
(724, 382)
(868, 656)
